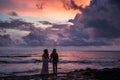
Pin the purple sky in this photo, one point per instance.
(84, 23)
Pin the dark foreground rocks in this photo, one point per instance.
(82, 74)
(95, 74)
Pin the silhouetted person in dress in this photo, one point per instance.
(45, 58)
(54, 59)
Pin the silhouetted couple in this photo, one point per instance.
(53, 58)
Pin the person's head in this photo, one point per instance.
(45, 54)
(45, 51)
(54, 50)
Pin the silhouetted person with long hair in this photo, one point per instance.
(54, 58)
(45, 59)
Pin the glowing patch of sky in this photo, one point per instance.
(15, 34)
(52, 11)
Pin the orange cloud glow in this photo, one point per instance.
(51, 9)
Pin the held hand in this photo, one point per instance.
(50, 60)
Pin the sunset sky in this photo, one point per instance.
(39, 10)
(59, 22)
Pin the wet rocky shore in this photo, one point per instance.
(95, 74)
(82, 74)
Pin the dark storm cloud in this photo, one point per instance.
(103, 28)
(83, 43)
(60, 26)
(79, 36)
(70, 20)
(45, 22)
(98, 24)
(40, 5)
(103, 17)
(66, 4)
(37, 37)
(95, 26)
(5, 40)
(13, 13)
(71, 5)
(17, 24)
(54, 25)
(75, 6)
(115, 2)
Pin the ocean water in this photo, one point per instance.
(27, 61)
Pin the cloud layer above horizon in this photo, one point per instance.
(95, 24)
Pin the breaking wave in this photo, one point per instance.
(88, 61)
